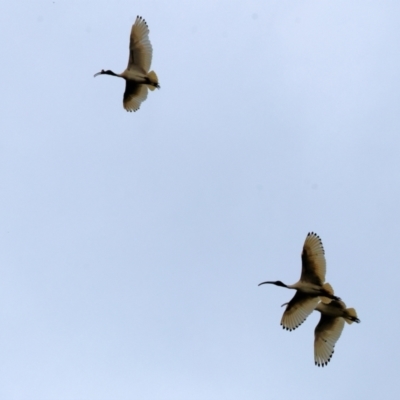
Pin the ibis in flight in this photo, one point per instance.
(310, 289)
(137, 76)
(329, 329)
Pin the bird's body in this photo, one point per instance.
(306, 287)
(329, 329)
(310, 288)
(137, 76)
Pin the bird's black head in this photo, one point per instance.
(277, 283)
(108, 72)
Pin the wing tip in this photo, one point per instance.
(323, 361)
(315, 236)
(139, 19)
(289, 328)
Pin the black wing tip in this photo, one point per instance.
(285, 328)
(322, 364)
(141, 19)
(290, 329)
(314, 235)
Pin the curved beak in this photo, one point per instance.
(99, 73)
(263, 283)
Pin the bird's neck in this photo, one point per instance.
(111, 73)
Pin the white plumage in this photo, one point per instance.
(310, 288)
(329, 329)
(137, 76)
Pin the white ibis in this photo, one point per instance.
(329, 329)
(137, 76)
(310, 288)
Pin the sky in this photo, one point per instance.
(132, 244)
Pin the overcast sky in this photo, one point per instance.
(132, 244)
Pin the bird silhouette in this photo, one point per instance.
(310, 288)
(137, 76)
(329, 329)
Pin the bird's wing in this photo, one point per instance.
(297, 310)
(313, 268)
(135, 94)
(326, 334)
(140, 50)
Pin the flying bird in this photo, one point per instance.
(310, 289)
(329, 329)
(137, 76)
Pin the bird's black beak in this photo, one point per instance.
(99, 73)
(263, 283)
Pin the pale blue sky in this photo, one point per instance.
(131, 244)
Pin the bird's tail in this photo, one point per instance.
(351, 316)
(153, 79)
(327, 288)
